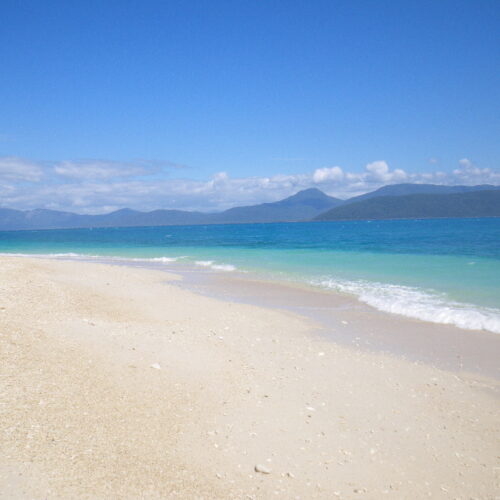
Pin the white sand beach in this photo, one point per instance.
(117, 383)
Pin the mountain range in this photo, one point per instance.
(388, 202)
(485, 203)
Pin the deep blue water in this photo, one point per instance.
(444, 270)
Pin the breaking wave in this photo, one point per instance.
(162, 260)
(83, 256)
(216, 267)
(416, 303)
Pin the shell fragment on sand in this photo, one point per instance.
(262, 469)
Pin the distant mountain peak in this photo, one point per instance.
(309, 193)
(125, 211)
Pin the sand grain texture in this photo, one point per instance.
(116, 384)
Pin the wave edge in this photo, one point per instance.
(415, 303)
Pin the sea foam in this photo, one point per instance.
(224, 267)
(162, 260)
(216, 267)
(83, 256)
(412, 302)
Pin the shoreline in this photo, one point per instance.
(423, 303)
(118, 381)
(338, 316)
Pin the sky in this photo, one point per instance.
(204, 105)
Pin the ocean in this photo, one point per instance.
(438, 270)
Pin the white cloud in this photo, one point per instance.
(98, 187)
(469, 173)
(379, 171)
(18, 169)
(99, 169)
(334, 174)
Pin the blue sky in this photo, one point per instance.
(210, 104)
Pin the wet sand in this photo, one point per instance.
(115, 383)
(345, 320)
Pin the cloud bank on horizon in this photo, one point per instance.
(99, 186)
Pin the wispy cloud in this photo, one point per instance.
(96, 186)
(18, 169)
(98, 169)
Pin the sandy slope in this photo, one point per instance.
(114, 384)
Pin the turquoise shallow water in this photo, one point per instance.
(441, 270)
